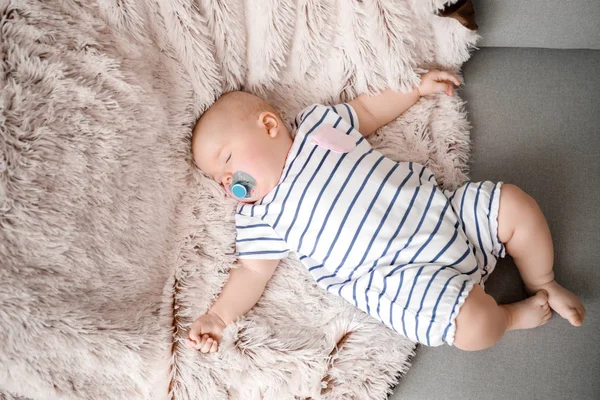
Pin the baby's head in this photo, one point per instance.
(242, 143)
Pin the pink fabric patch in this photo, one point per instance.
(333, 139)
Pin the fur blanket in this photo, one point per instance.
(111, 243)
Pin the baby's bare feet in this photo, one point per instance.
(529, 313)
(564, 302)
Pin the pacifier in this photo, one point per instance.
(243, 186)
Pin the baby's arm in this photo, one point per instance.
(241, 292)
(376, 111)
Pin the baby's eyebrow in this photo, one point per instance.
(217, 160)
(219, 153)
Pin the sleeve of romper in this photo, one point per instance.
(256, 239)
(343, 117)
(348, 114)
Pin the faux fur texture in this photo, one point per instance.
(111, 243)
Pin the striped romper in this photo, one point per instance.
(379, 233)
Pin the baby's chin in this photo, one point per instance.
(247, 201)
(266, 189)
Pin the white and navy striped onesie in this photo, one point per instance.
(381, 234)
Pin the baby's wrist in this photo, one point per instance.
(221, 316)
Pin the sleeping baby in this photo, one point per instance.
(380, 234)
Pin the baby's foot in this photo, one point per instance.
(564, 302)
(529, 313)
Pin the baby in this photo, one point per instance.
(378, 233)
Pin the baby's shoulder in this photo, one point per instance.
(341, 116)
(307, 113)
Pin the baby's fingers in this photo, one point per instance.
(446, 76)
(200, 342)
(206, 345)
(194, 337)
(454, 80)
(214, 347)
(441, 86)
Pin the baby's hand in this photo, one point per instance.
(437, 81)
(206, 332)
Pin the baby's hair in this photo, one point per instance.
(244, 105)
(236, 106)
(239, 106)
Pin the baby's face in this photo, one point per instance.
(227, 150)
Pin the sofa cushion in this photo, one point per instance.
(535, 124)
(559, 24)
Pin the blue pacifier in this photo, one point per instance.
(243, 186)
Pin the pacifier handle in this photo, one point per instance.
(239, 190)
(243, 187)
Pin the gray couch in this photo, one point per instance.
(533, 92)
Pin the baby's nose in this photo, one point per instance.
(226, 180)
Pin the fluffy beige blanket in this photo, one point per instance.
(110, 242)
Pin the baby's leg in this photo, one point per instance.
(525, 233)
(481, 322)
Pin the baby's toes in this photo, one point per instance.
(581, 311)
(573, 316)
(579, 317)
(546, 316)
(541, 298)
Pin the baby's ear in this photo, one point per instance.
(270, 122)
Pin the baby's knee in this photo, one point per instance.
(480, 323)
(513, 196)
(517, 209)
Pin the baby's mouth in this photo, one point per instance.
(243, 187)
